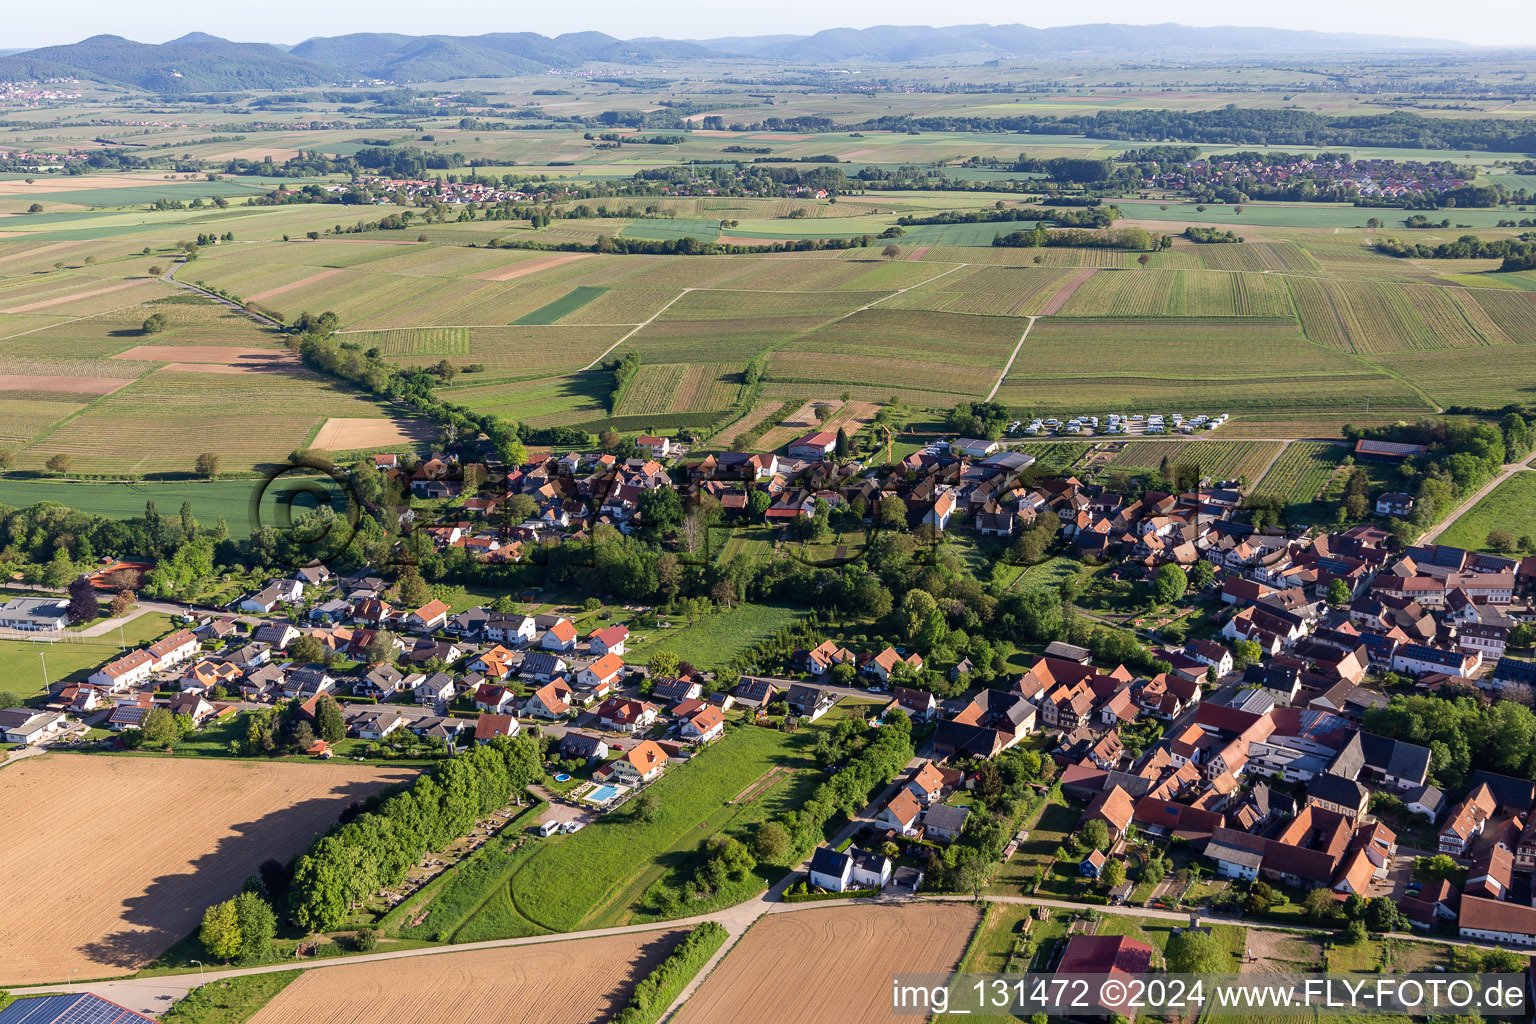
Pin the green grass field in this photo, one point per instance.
(716, 639)
(230, 1001)
(593, 878)
(229, 500)
(1510, 506)
(22, 662)
(563, 306)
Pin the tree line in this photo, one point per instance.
(377, 847)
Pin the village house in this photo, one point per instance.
(607, 641)
(496, 663)
(560, 636)
(705, 726)
(489, 727)
(809, 702)
(643, 762)
(943, 822)
(494, 699)
(884, 665)
(604, 671)
(623, 714)
(902, 813)
(273, 594)
(551, 702)
(128, 672)
(931, 784)
(31, 727)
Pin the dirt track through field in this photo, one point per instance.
(569, 982)
(108, 861)
(293, 286)
(59, 300)
(814, 966)
(764, 782)
(1055, 302)
(527, 267)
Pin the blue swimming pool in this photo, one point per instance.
(562, 777)
(603, 794)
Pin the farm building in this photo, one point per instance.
(976, 447)
(70, 1008)
(814, 445)
(1387, 451)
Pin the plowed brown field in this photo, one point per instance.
(108, 861)
(840, 961)
(570, 982)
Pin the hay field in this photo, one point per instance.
(840, 959)
(351, 434)
(110, 860)
(570, 982)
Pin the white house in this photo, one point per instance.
(975, 447)
(180, 646)
(1416, 659)
(705, 727)
(943, 822)
(1237, 854)
(375, 725)
(901, 814)
(608, 641)
(943, 509)
(492, 698)
(1504, 924)
(560, 637)
(273, 594)
(510, 629)
(129, 671)
(870, 869)
(435, 689)
(24, 725)
(430, 616)
(655, 447)
(831, 869)
(604, 670)
(882, 665)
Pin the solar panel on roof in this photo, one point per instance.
(83, 1008)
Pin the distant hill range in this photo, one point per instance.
(199, 62)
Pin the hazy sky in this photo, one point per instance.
(1491, 22)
